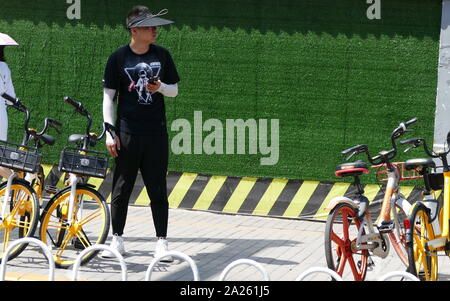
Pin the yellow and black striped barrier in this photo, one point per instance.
(243, 195)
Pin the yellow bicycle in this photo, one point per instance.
(21, 194)
(427, 228)
(77, 217)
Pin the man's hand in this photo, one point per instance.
(113, 145)
(153, 86)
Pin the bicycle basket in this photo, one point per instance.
(83, 162)
(19, 157)
(382, 173)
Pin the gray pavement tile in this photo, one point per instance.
(285, 248)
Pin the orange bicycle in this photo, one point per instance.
(351, 236)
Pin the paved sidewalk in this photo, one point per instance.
(284, 247)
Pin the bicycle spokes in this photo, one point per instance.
(71, 233)
(19, 218)
(423, 261)
(340, 243)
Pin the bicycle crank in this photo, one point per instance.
(382, 249)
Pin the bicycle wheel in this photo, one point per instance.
(20, 218)
(398, 234)
(90, 225)
(423, 263)
(340, 241)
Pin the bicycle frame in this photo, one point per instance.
(446, 217)
(440, 227)
(391, 198)
(391, 189)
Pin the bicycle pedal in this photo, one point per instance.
(51, 189)
(386, 227)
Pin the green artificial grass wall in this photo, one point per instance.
(329, 75)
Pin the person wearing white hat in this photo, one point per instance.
(6, 86)
(139, 75)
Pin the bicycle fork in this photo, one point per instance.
(7, 194)
(432, 205)
(73, 193)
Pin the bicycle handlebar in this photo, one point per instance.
(383, 156)
(90, 138)
(416, 142)
(77, 105)
(15, 102)
(31, 133)
(402, 128)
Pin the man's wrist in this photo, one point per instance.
(161, 88)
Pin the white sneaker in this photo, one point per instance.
(117, 244)
(162, 246)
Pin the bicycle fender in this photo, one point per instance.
(17, 181)
(339, 200)
(86, 185)
(409, 236)
(404, 204)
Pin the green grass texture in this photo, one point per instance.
(329, 75)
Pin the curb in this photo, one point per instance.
(275, 197)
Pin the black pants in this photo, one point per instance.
(149, 154)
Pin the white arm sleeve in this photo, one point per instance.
(168, 90)
(108, 110)
(6, 85)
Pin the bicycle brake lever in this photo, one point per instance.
(408, 149)
(351, 155)
(57, 129)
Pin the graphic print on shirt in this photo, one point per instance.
(139, 76)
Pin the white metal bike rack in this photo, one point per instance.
(176, 254)
(399, 273)
(77, 263)
(322, 270)
(244, 261)
(30, 240)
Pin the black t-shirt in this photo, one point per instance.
(140, 112)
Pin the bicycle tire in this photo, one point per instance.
(22, 217)
(66, 240)
(341, 232)
(398, 235)
(422, 263)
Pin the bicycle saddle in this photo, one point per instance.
(48, 139)
(419, 163)
(351, 169)
(76, 138)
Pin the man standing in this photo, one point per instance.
(139, 75)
